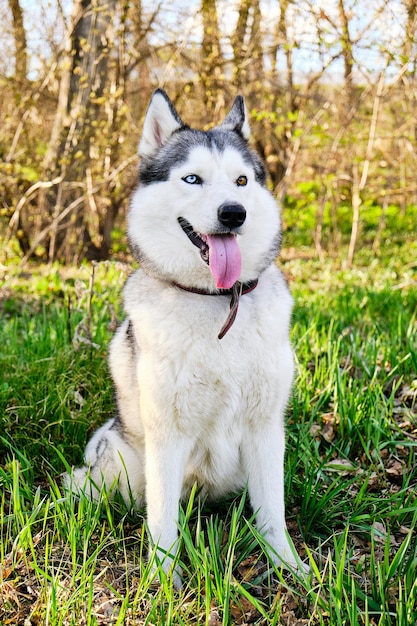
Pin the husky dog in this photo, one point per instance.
(202, 364)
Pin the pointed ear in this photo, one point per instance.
(161, 120)
(237, 119)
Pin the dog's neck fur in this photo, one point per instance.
(238, 289)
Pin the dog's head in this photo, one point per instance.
(202, 215)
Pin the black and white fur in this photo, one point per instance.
(193, 408)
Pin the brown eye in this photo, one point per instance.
(242, 181)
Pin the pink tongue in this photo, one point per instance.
(225, 261)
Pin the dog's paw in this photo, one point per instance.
(291, 562)
(283, 554)
(73, 480)
(78, 483)
(166, 570)
(163, 567)
(177, 578)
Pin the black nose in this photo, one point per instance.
(231, 215)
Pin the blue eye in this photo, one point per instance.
(193, 179)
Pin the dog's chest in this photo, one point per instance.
(218, 403)
(209, 379)
(202, 379)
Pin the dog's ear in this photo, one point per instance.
(237, 119)
(161, 120)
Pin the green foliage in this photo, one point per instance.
(50, 339)
(307, 207)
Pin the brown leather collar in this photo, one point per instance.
(238, 289)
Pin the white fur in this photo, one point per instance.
(198, 204)
(159, 127)
(195, 409)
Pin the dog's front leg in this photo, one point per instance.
(166, 458)
(263, 456)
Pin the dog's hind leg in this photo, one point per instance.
(114, 456)
(111, 463)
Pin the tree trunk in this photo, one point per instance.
(409, 57)
(347, 54)
(282, 37)
(79, 121)
(19, 33)
(277, 141)
(248, 71)
(410, 32)
(211, 74)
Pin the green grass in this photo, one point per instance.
(351, 473)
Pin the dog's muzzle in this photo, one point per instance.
(231, 215)
(220, 248)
